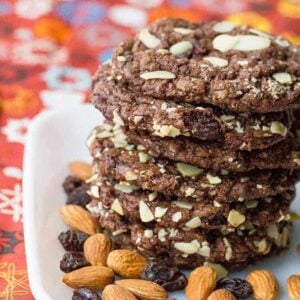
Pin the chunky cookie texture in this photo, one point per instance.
(199, 246)
(163, 118)
(146, 207)
(183, 180)
(242, 69)
(199, 155)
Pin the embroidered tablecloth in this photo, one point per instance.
(49, 50)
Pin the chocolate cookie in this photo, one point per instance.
(233, 67)
(168, 119)
(216, 156)
(210, 246)
(168, 177)
(146, 207)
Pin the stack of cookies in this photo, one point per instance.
(200, 154)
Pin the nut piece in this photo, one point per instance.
(113, 292)
(264, 284)
(221, 271)
(79, 219)
(293, 287)
(201, 283)
(81, 169)
(221, 294)
(94, 278)
(148, 39)
(126, 263)
(188, 170)
(235, 218)
(223, 27)
(181, 47)
(216, 61)
(143, 289)
(96, 249)
(157, 75)
(283, 77)
(146, 214)
(183, 30)
(278, 128)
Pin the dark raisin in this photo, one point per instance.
(79, 196)
(72, 240)
(85, 294)
(71, 183)
(72, 261)
(218, 219)
(168, 277)
(240, 288)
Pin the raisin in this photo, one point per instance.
(85, 294)
(240, 288)
(168, 277)
(71, 183)
(72, 240)
(72, 261)
(79, 196)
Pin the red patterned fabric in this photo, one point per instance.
(48, 52)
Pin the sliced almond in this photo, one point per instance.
(278, 128)
(201, 283)
(213, 179)
(181, 47)
(235, 218)
(187, 248)
(193, 223)
(223, 27)
(94, 278)
(283, 77)
(188, 170)
(183, 30)
(81, 169)
(126, 263)
(220, 270)
(78, 218)
(143, 289)
(148, 39)
(158, 75)
(216, 61)
(96, 249)
(146, 214)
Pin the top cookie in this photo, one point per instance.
(236, 68)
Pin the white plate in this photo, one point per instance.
(54, 139)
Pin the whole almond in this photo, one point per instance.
(264, 284)
(96, 249)
(81, 169)
(201, 283)
(116, 292)
(293, 287)
(143, 289)
(221, 294)
(78, 218)
(94, 278)
(126, 263)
